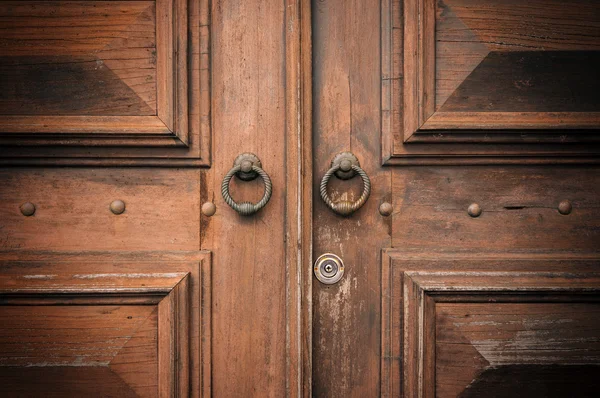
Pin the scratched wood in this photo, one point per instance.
(72, 209)
(467, 82)
(55, 339)
(83, 315)
(63, 58)
(346, 118)
(464, 323)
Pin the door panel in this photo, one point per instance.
(479, 105)
(510, 324)
(105, 83)
(459, 76)
(108, 324)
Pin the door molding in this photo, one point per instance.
(413, 281)
(414, 132)
(178, 283)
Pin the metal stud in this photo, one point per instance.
(117, 207)
(209, 209)
(474, 210)
(565, 207)
(27, 209)
(386, 209)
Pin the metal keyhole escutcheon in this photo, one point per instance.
(329, 268)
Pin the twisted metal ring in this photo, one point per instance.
(246, 208)
(345, 207)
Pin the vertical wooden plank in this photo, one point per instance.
(257, 309)
(165, 68)
(298, 209)
(347, 95)
(166, 347)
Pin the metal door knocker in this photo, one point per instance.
(345, 166)
(246, 167)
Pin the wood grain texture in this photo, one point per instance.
(73, 209)
(175, 133)
(418, 70)
(537, 309)
(346, 96)
(259, 86)
(64, 59)
(519, 208)
(89, 299)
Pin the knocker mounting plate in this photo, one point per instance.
(345, 160)
(246, 161)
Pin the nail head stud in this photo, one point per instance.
(27, 209)
(117, 207)
(345, 165)
(209, 209)
(474, 210)
(246, 166)
(386, 209)
(565, 207)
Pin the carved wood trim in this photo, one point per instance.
(110, 278)
(412, 282)
(178, 136)
(414, 134)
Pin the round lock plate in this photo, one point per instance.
(329, 268)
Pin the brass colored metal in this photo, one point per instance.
(27, 209)
(565, 207)
(329, 268)
(386, 209)
(474, 210)
(246, 161)
(345, 208)
(209, 209)
(117, 207)
(241, 162)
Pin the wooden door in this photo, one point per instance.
(123, 271)
(472, 269)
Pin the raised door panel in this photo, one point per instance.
(127, 324)
(115, 82)
(491, 81)
(505, 325)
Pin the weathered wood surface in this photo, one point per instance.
(72, 209)
(466, 82)
(81, 91)
(105, 317)
(457, 323)
(346, 118)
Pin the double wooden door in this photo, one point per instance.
(470, 268)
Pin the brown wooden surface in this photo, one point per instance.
(79, 91)
(72, 209)
(104, 318)
(482, 73)
(432, 299)
(346, 118)
(456, 323)
(430, 229)
(257, 84)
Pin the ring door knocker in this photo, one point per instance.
(247, 167)
(345, 166)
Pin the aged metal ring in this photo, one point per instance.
(345, 207)
(246, 208)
